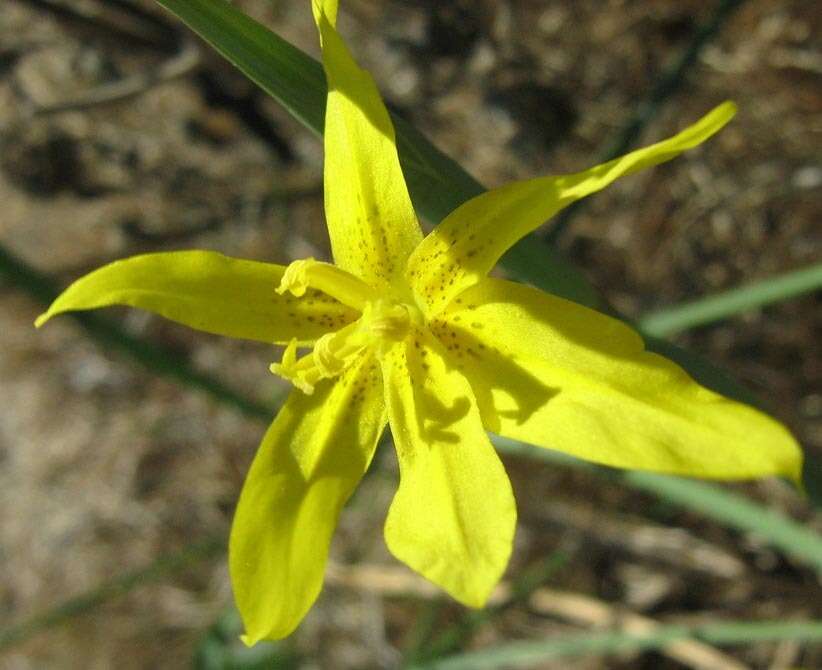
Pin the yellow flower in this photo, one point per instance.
(411, 332)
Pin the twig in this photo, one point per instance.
(184, 62)
(137, 29)
(160, 568)
(385, 580)
(672, 546)
(589, 611)
(395, 581)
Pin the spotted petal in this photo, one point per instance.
(555, 374)
(454, 515)
(470, 240)
(371, 221)
(207, 291)
(309, 462)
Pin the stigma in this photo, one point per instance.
(307, 273)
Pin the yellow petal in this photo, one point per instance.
(308, 464)
(210, 292)
(371, 222)
(470, 240)
(454, 515)
(558, 375)
(327, 7)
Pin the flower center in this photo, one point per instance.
(383, 321)
(389, 320)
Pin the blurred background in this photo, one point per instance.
(120, 133)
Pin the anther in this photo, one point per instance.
(332, 354)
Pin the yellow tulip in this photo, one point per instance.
(410, 331)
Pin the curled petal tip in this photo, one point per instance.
(720, 115)
(295, 279)
(730, 107)
(249, 640)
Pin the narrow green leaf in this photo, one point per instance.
(734, 511)
(529, 654)
(725, 507)
(282, 70)
(672, 320)
(111, 337)
(159, 569)
(438, 185)
(458, 633)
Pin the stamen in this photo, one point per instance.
(332, 354)
(331, 280)
(288, 368)
(326, 356)
(383, 321)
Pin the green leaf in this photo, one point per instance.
(723, 506)
(597, 643)
(675, 319)
(438, 185)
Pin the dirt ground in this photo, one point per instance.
(104, 467)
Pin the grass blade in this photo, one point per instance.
(160, 568)
(733, 511)
(528, 654)
(673, 320)
(438, 185)
(727, 508)
(111, 336)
